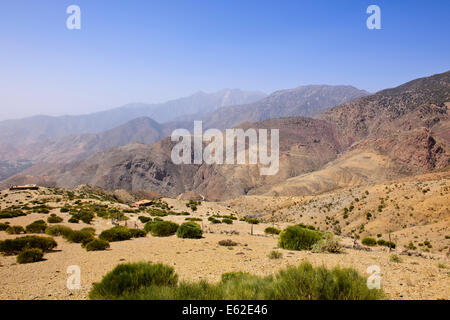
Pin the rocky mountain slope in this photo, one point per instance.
(304, 101)
(393, 133)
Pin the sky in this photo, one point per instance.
(152, 51)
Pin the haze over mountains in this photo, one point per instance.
(39, 141)
(39, 128)
(393, 133)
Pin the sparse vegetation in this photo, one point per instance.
(37, 226)
(54, 219)
(395, 258)
(159, 282)
(17, 245)
(189, 230)
(15, 230)
(369, 241)
(58, 231)
(97, 245)
(163, 228)
(30, 256)
(227, 243)
(272, 230)
(275, 254)
(298, 238)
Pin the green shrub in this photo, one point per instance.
(10, 213)
(163, 229)
(193, 219)
(189, 230)
(214, 220)
(97, 245)
(30, 255)
(385, 243)
(63, 210)
(37, 226)
(144, 219)
(58, 231)
(137, 233)
(298, 238)
(293, 283)
(54, 219)
(148, 226)
(15, 246)
(84, 216)
(74, 220)
(369, 241)
(328, 244)
(89, 229)
(272, 230)
(227, 221)
(15, 230)
(79, 237)
(275, 255)
(118, 233)
(128, 278)
(395, 258)
(3, 226)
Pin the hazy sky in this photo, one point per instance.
(151, 51)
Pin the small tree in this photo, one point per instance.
(252, 221)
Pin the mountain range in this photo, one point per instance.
(392, 133)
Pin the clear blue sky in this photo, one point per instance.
(151, 51)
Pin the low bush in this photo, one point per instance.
(298, 238)
(329, 244)
(82, 237)
(58, 231)
(137, 233)
(214, 220)
(73, 220)
(385, 243)
(118, 233)
(369, 241)
(15, 230)
(193, 219)
(227, 221)
(54, 219)
(128, 278)
(227, 243)
(30, 256)
(275, 255)
(159, 282)
(163, 229)
(97, 245)
(272, 230)
(395, 258)
(84, 216)
(10, 213)
(37, 226)
(144, 219)
(17, 245)
(89, 229)
(189, 230)
(3, 226)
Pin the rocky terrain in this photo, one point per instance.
(418, 274)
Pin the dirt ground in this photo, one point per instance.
(413, 278)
